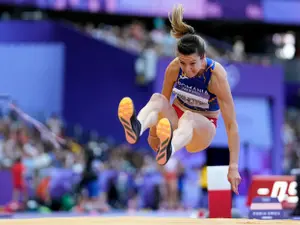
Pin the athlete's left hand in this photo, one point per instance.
(234, 178)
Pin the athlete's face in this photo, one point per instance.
(191, 65)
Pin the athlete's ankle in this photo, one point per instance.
(141, 128)
(172, 149)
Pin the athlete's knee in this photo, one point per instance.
(193, 148)
(158, 97)
(159, 102)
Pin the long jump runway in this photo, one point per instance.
(127, 220)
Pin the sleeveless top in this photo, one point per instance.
(193, 93)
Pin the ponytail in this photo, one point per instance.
(179, 28)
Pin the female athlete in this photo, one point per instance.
(202, 91)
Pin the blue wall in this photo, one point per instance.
(33, 75)
(96, 75)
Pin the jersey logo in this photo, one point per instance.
(183, 76)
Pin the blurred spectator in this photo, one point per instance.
(55, 124)
(146, 64)
(203, 186)
(291, 131)
(171, 175)
(238, 53)
(18, 175)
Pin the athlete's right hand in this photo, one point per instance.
(153, 141)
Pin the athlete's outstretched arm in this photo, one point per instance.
(220, 87)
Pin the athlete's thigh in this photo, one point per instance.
(203, 132)
(159, 103)
(170, 113)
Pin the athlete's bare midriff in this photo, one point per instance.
(210, 114)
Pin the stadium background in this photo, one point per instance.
(68, 63)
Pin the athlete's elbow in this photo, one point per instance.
(232, 127)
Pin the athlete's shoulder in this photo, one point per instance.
(219, 75)
(174, 65)
(173, 69)
(219, 71)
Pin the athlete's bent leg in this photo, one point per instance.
(158, 106)
(203, 134)
(134, 125)
(195, 132)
